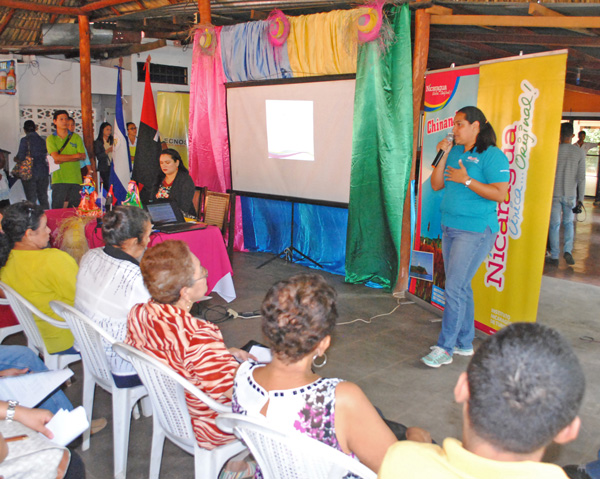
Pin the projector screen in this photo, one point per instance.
(292, 139)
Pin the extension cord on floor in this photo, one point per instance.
(232, 314)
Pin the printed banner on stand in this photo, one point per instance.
(445, 92)
(522, 99)
(173, 113)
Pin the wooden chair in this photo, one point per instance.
(198, 200)
(218, 209)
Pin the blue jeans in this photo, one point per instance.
(561, 205)
(22, 357)
(463, 252)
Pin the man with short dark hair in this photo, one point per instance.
(581, 143)
(66, 149)
(569, 185)
(522, 391)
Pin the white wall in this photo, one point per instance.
(169, 55)
(49, 82)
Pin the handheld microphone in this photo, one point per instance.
(440, 153)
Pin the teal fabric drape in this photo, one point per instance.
(381, 156)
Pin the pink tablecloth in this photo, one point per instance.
(206, 244)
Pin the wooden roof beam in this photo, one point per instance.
(53, 17)
(7, 18)
(90, 7)
(516, 21)
(537, 9)
(438, 10)
(40, 7)
(516, 39)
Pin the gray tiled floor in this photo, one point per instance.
(382, 357)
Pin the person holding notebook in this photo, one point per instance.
(174, 182)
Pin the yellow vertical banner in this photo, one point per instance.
(522, 99)
(173, 113)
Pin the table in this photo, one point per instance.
(207, 244)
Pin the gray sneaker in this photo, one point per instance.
(459, 351)
(437, 357)
(464, 351)
(569, 258)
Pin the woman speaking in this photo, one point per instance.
(475, 174)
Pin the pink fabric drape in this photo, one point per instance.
(209, 146)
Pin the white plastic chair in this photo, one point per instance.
(96, 370)
(171, 418)
(7, 331)
(290, 454)
(24, 312)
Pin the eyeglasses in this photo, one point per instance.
(200, 278)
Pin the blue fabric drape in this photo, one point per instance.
(247, 54)
(319, 231)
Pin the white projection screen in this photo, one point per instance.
(292, 139)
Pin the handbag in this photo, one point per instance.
(24, 168)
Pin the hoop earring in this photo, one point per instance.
(315, 365)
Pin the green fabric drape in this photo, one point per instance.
(382, 140)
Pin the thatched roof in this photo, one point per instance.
(462, 32)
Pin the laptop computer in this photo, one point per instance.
(168, 218)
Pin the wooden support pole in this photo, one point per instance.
(85, 74)
(421, 52)
(204, 10)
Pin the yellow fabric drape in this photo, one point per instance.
(323, 43)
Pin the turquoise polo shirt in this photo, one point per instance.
(461, 207)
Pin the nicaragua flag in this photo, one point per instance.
(120, 168)
(146, 167)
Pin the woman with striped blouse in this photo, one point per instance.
(164, 328)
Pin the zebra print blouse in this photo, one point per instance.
(195, 349)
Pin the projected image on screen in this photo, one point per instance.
(290, 130)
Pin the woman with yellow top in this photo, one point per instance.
(38, 273)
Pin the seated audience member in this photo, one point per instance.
(522, 391)
(18, 360)
(38, 273)
(298, 317)
(174, 182)
(67, 466)
(109, 282)
(164, 328)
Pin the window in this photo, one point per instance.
(163, 74)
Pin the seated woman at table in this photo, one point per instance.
(109, 282)
(38, 273)
(174, 182)
(164, 328)
(298, 317)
